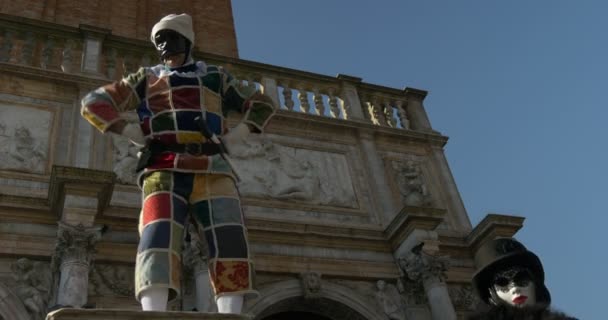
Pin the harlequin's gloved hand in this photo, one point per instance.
(132, 131)
(236, 136)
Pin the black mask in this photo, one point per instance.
(169, 42)
(516, 275)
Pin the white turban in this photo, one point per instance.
(180, 23)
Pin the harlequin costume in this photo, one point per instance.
(185, 176)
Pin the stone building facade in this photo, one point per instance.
(350, 204)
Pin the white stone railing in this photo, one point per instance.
(95, 52)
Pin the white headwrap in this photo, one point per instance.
(180, 23)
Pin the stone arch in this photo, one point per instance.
(11, 306)
(334, 301)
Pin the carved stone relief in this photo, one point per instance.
(411, 183)
(412, 291)
(111, 280)
(464, 297)
(24, 138)
(124, 159)
(33, 286)
(389, 300)
(273, 171)
(311, 284)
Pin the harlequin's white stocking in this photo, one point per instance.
(230, 303)
(154, 299)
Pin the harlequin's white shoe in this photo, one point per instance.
(230, 303)
(154, 299)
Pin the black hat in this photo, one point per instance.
(503, 253)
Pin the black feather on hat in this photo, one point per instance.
(502, 253)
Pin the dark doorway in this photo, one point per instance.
(296, 315)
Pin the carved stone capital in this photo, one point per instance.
(75, 244)
(421, 266)
(311, 284)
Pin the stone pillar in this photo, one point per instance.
(92, 47)
(415, 110)
(82, 136)
(382, 193)
(352, 103)
(430, 270)
(73, 254)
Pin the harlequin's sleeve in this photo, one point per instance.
(256, 107)
(102, 106)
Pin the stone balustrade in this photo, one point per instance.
(96, 53)
(37, 44)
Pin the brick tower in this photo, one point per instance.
(213, 22)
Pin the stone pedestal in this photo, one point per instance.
(116, 314)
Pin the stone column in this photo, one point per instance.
(415, 110)
(73, 254)
(430, 270)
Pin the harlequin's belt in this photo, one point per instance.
(195, 149)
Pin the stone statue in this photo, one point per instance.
(389, 300)
(33, 283)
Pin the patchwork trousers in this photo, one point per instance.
(172, 199)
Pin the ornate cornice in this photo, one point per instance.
(493, 226)
(94, 183)
(421, 266)
(75, 79)
(415, 93)
(410, 219)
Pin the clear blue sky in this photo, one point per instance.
(519, 87)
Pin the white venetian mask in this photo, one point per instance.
(515, 287)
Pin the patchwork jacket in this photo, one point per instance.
(168, 101)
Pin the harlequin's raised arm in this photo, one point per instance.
(102, 106)
(257, 107)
